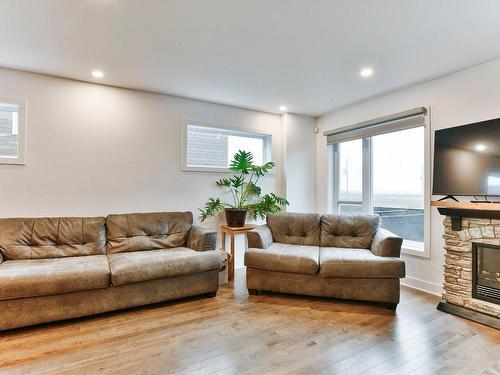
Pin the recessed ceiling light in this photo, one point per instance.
(366, 72)
(480, 147)
(283, 108)
(97, 74)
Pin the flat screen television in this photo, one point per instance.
(467, 160)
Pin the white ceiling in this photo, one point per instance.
(258, 54)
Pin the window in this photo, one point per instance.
(350, 176)
(384, 172)
(398, 183)
(210, 148)
(12, 130)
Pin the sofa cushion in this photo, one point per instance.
(350, 231)
(295, 228)
(281, 257)
(342, 262)
(38, 238)
(39, 277)
(147, 231)
(133, 267)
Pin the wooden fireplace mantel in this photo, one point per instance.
(457, 210)
(467, 205)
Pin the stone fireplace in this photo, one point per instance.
(471, 266)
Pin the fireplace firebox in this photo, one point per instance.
(486, 272)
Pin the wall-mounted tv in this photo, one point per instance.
(467, 160)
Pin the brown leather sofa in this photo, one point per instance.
(340, 256)
(60, 268)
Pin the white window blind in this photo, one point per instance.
(412, 118)
(212, 148)
(9, 137)
(206, 147)
(12, 129)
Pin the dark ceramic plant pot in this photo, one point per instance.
(235, 217)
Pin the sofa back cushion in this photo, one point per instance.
(295, 228)
(147, 231)
(353, 231)
(58, 237)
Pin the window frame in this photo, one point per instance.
(368, 187)
(185, 167)
(21, 135)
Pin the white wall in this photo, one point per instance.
(460, 98)
(94, 150)
(300, 162)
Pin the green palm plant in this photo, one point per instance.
(245, 192)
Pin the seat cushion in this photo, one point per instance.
(294, 228)
(342, 262)
(280, 257)
(133, 267)
(349, 231)
(39, 277)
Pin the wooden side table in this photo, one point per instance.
(232, 231)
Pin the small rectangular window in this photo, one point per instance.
(210, 148)
(12, 131)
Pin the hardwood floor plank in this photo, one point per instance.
(234, 333)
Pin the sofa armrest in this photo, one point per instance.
(386, 244)
(260, 237)
(201, 239)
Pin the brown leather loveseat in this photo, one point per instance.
(340, 256)
(60, 268)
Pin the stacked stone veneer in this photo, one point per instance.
(458, 261)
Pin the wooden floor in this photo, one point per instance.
(275, 334)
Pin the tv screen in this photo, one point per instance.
(467, 160)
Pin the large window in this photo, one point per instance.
(210, 148)
(12, 129)
(385, 174)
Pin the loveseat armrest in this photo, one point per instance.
(386, 244)
(260, 237)
(201, 239)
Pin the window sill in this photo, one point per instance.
(216, 170)
(12, 161)
(415, 251)
(207, 169)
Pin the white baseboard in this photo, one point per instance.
(422, 285)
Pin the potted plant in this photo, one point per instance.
(245, 192)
